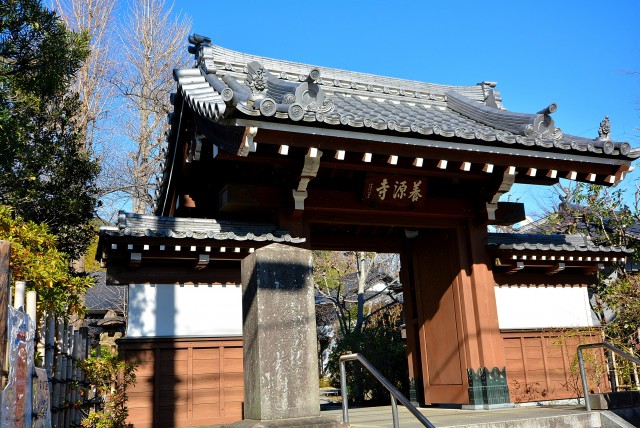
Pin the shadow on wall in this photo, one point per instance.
(166, 364)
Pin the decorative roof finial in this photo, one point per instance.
(604, 130)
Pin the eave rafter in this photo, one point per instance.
(552, 262)
(137, 252)
(445, 157)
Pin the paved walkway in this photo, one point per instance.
(377, 417)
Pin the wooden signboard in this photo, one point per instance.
(400, 191)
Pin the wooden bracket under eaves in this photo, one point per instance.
(248, 145)
(309, 172)
(203, 261)
(508, 178)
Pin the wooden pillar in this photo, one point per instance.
(486, 362)
(414, 357)
(483, 300)
(5, 287)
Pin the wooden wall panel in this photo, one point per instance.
(185, 382)
(539, 364)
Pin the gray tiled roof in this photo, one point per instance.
(227, 84)
(539, 242)
(103, 297)
(197, 228)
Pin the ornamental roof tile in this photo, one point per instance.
(229, 85)
(539, 242)
(138, 225)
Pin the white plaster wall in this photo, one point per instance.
(543, 307)
(184, 310)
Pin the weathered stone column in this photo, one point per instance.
(280, 345)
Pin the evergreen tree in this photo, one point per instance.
(46, 175)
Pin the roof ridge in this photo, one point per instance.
(220, 54)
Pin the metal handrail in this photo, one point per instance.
(585, 387)
(393, 391)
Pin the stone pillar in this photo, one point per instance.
(279, 339)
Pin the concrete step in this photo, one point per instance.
(625, 404)
(514, 417)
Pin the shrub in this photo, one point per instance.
(385, 350)
(111, 377)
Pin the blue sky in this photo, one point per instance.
(583, 55)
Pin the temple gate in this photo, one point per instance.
(262, 151)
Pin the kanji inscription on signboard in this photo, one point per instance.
(395, 190)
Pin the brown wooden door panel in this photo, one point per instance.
(437, 266)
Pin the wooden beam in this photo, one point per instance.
(321, 241)
(327, 201)
(167, 274)
(594, 268)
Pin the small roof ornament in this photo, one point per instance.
(604, 130)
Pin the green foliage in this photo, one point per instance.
(384, 348)
(112, 376)
(45, 173)
(622, 296)
(39, 56)
(90, 263)
(35, 258)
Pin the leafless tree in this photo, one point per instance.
(153, 40)
(124, 87)
(93, 81)
(356, 280)
(100, 112)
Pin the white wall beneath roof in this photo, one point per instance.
(543, 307)
(184, 310)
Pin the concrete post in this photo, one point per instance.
(279, 335)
